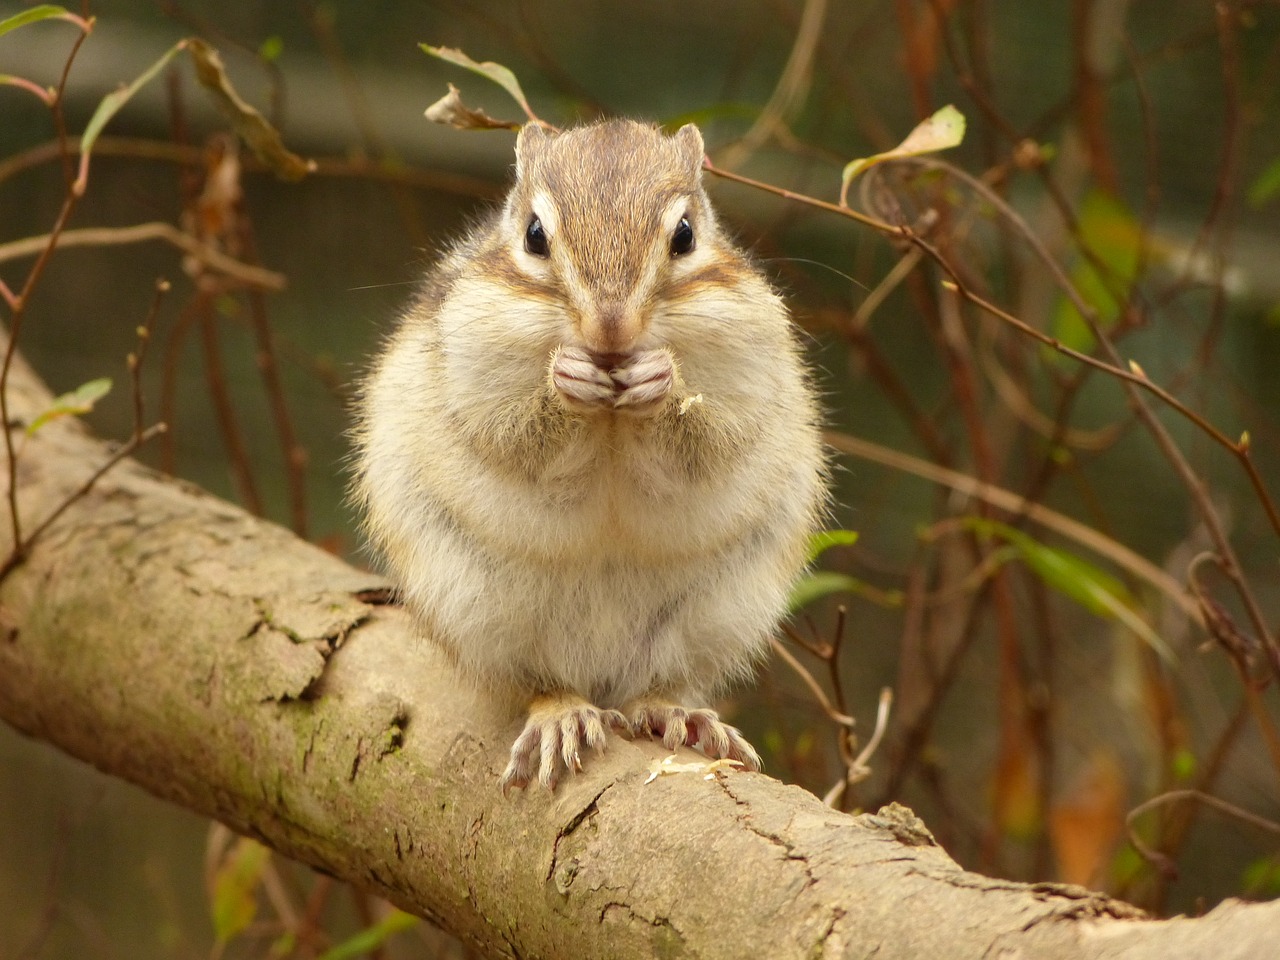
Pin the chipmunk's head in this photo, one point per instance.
(609, 219)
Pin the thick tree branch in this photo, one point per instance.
(217, 661)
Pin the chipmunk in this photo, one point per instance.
(590, 451)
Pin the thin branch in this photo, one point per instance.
(1164, 863)
(239, 462)
(292, 451)
(135, 359)
(858, 768)
(815, 688)
(126, 449)
(792, 86)
(11, 345)
(1117, 553)
(846, 212)
(156, 230)
(191, 156)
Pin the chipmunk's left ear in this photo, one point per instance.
(689, 139)
(531, 139)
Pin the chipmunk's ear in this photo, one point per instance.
(689, 139)
(532, 137)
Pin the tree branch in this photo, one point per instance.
(170, 639)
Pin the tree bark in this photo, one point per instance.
(170, 639)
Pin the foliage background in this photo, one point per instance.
(1045, 723)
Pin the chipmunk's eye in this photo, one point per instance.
(682, 239)
(535, 238)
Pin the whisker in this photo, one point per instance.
(824, 266)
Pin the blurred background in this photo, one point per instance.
(1048, 678)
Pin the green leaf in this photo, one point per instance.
(1267, 186)
(1183, 764)
(1113, 234)
(43, 12)
(79, 401)
(110, 105)
(235, 886)
(496, 72)
(1076, 579)
(943, 130)
(1127, 865)
(822, 541)
(1261, 878)
(370, 938)
(818, 584)
(271, 48)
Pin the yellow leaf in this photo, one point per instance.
(939, 132)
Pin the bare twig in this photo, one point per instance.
(815, 688)
(1166, 864)
(125, 450)
(1117, 553)
(215, 376)
(135, 359)
(157, 230)
(858, 768)
(792, 86)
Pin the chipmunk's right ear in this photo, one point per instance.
(531, 139)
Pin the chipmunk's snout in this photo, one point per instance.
(607, 361)
(611, 329)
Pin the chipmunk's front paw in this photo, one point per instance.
(551, 744)
(582, 383)
(702, 728)
(644, 381)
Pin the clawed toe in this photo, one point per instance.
(702, 728)
(553, 738)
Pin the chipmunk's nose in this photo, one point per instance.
(610, 329)
(607, 361)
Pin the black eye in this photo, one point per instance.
(535, 239)
(682, 239)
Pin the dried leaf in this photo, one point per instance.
(1016, 784)
(1085, 825)
(262, 138)
(668, 766)
(451, 111)
(1223, 628)
(79, 401)
(941, 131)
(496, 72)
